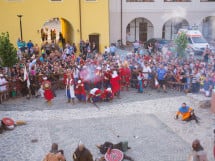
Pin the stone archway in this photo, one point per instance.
(208, 28)
(56, 29)
(171, 27)
(140, 29)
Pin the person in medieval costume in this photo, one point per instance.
(48, 94)
(115, 83)
(106, 78)
(80, 92)
(70, 93)
(23, 84)
(95, 95)
(82, 153)
(140, 82)
(107, 95)
(127, 72)
(122, 146)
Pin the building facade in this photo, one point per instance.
(141, 20)
(46, 19)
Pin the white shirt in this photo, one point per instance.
(146, 71)
(4, 87)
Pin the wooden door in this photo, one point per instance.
(94, 39)
(142, 32)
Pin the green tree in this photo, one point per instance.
(181, 42)
(8, 53)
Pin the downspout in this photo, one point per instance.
(80, 19)
(121, 16)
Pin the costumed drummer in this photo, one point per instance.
(48, 94)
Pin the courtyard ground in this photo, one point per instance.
(145, 120)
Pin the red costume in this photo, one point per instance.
(95, 95)
(115, 83)
(107, 94)
(127, 72)
(80, 91)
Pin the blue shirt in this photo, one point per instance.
(184, 109)
(112, 49)
(161, 73)
(207, 85)
(30, 45)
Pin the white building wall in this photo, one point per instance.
(157, 12)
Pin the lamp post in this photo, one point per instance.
(20, 24)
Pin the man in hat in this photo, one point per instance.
(54, 154)
(48, 94)
(82, 153)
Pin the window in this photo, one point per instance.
(139, 0)
(177, 0)
(207, 0)
(90, 0)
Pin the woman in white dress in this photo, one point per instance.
(70, 88)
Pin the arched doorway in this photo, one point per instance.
(208, 28)
(57, 29)
(139, 29)
(171, 27)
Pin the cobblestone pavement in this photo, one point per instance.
(144, 120)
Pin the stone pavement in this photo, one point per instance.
(144, 120)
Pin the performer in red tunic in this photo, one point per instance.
(107, 95)
(106, 78)
(80, 92)
(98, 78)
(127, 73)
(48, 94)
(115, 83)
(122, 76)
(95, 95)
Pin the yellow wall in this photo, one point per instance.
(95, 18)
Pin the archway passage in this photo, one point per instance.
(171, 27)
(208, 28)
(139, 29)
(57, 29)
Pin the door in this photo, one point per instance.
(94, 39)
(142, 32)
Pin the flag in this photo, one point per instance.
(26, 77)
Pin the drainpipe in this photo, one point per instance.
(135, 31)
(121, 20)
(80, 19)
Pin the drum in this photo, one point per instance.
(46, 85)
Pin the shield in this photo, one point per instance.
(114, 155)
(8, 121)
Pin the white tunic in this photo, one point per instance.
(70, 84)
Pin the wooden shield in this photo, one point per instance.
(114, 155)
